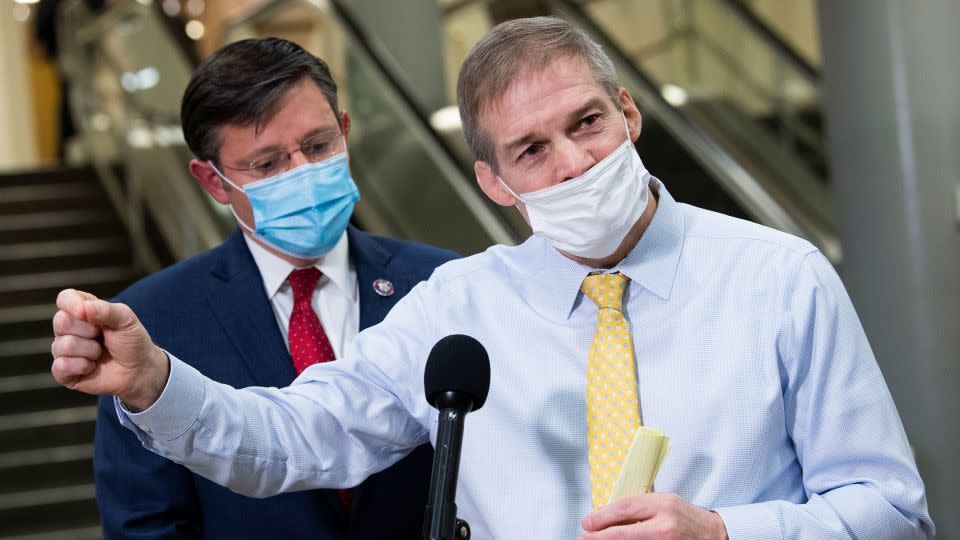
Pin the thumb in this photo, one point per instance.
(109, 315)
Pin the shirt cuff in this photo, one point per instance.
(176, 410)
(751, 522)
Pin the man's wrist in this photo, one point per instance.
(720, 528)
(151, 382)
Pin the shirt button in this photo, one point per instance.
(145, 429)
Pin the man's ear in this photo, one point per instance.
(491, 186)
(631, 113)
(345, 124)
(209, 179)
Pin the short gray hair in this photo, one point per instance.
(511, 49)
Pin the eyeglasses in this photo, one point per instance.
(314, 148)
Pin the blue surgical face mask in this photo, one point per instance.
(304, 211)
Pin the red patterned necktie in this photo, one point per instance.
(308, 342)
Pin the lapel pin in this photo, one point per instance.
(383, 287)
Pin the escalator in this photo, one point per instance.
(727, 109)
(744, 106)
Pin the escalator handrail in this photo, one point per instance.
(129, 201)
(443, 156)
(773, 40)
(739, 182)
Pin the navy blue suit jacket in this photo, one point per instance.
(212, 312)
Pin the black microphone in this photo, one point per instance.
(456, 381)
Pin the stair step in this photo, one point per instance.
(56, 454)
(93, 532)
(46, 468)
(22, 322)
(51, 197)
(57, 230)
(23, 383)
(51, 255)
(43, 287)
(38, 397)
(61, 248)
(39, 226)
(37, 430)
(49, 175)
(36, 392)
(26, 499)
(26, 356)
(58, 508)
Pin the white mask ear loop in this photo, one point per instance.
(238, 188)
(505, 186)
(225, 179)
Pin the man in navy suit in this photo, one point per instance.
(293, 285)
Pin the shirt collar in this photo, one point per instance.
(651, 264)
(335, 265)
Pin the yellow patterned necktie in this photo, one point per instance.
(613, 408)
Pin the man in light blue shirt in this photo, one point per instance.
(749, 354)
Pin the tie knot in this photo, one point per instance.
(606, 290)
(303, 282)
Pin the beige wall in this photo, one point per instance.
(45, 89)
(17, 140)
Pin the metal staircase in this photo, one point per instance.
(57, 230)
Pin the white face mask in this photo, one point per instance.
(590, 215)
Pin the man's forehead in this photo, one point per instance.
(301, 111)
(536, 83)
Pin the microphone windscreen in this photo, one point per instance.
(458, 363)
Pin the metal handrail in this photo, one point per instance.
(774, 41)
(789, 130)
(127, 194)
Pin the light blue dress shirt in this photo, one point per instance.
(750, 357)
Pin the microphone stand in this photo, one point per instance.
(440, 522)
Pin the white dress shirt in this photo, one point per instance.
(750, 357)
(335, 300)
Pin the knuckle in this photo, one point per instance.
(56, 369)
(64, 324)
(62, 296)
(59, 321)
(68, 343)
(671, 501)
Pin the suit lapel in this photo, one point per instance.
(241, 306)
(372, 263)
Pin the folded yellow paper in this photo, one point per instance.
(641, 465)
